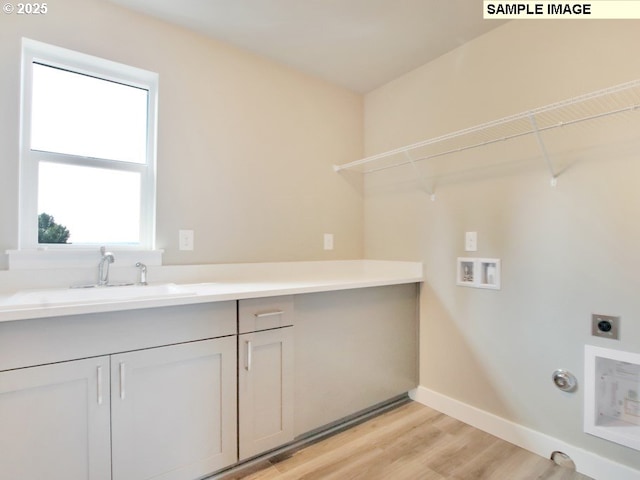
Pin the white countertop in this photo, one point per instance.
(184, 285)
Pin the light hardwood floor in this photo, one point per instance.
(412, 442)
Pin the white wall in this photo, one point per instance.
(566, 252)
(245, 145)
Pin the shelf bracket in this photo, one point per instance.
(545, 154)
(430, 191)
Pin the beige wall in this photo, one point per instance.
(244, 157)
(566, 252)
(245, 145)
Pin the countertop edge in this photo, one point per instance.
(208, 292)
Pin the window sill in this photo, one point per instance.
(51, 257)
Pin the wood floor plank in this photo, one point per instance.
(363, 437)
(261, 471)
(498, 462)
(447, 457)
(411, 442)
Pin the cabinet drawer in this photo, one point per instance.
(257, 314)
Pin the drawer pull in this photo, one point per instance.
(269, 314)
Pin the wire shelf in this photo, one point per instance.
(590, 107)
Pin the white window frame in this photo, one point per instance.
(33, 51)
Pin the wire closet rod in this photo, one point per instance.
(496, 123)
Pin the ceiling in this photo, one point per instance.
(359, 44)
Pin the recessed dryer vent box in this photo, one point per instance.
(612, 395)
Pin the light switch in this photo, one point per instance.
(471, 241)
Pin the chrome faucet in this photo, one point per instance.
(103, 267)
(143, 273)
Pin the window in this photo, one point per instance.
(87, 154)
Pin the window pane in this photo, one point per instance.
(96, 205)
(80, 115)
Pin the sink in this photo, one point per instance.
(94, 295)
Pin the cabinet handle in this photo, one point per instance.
(269, 314)
(99, 385)
(122, 371)
(248, 362)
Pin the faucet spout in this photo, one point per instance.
(143, 273)
(106, 259)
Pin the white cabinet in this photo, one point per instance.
(174, 410)
(265, 375)
(169, 414)
(265, 383)
(54, 421)
(178, 393)
(72, 407)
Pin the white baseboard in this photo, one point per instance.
(587, 463)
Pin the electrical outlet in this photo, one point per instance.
(328, 241)
(471, 241)
(185, 239)
(605, 326)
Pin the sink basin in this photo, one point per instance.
(94, 295)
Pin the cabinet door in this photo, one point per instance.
(54, 421)
(174, 411)
(265, 390)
